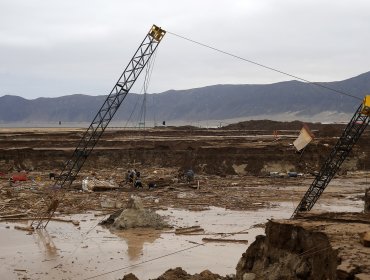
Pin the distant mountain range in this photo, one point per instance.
(279, 101)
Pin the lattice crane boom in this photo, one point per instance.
(343, 147)
(106, 113)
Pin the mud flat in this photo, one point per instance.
(88, 250)
(232, 197)
(79, 252)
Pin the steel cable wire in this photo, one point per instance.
(265, 66)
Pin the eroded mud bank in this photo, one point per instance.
(323, 246)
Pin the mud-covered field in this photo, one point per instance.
(240, 181)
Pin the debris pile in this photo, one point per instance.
(135, 216)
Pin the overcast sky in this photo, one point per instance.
(62, 47)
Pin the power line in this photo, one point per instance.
(140, 263)
(265, 66)
(163, 256)
(306, 253)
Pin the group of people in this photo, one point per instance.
(186, 176)
(133, 177)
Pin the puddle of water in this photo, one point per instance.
(66, 252)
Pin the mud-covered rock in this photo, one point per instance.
(130, 276)
(132, 218)
(179, 274)
(135, 216)
(176, 273)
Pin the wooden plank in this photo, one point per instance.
(188, 230)
(13, 216)
(75, 222)
(28, 228)
(224, 240)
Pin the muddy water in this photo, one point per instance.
(64, 251)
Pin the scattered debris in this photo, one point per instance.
(304, 138)
(19, 177)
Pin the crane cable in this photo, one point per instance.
(264, 66)
(139, 95)
(148, 75)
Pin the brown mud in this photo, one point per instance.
(232, 167)
(206, 151)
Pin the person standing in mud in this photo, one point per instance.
(131, 176)
(138, 183)
(128, 177)
(189, 175)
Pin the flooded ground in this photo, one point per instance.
(232, 167)
(89, 251)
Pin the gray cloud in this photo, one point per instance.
(54, 48)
